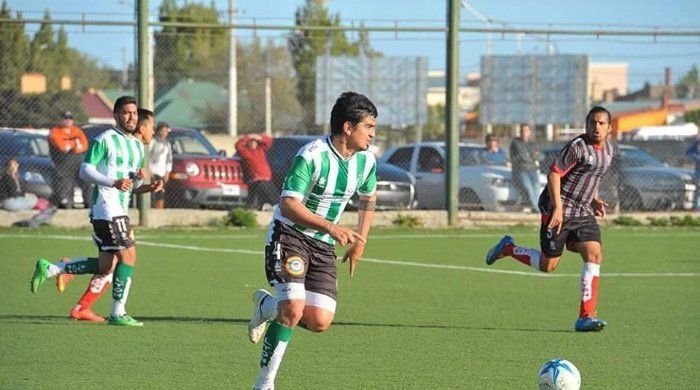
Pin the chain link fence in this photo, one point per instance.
(277, 93)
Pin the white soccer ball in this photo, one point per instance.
(559, 374)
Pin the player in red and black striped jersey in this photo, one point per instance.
(569, 205)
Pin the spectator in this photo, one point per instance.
(693, 152)
(67, 146)
(12, 198)
(494, 155)
(261, 190)
(525, 160)
(161, 160)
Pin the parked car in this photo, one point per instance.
(484, 184)
(395, 188)
(36, 169)
(201, 177)
(645, 183)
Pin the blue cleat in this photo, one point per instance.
(589, 324)
(496, 252)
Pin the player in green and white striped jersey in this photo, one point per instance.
(299, 256)
(112, 163)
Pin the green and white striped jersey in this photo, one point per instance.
(324, 182)
(114, 154)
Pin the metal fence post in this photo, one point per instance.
(451, 112)
(144, 200)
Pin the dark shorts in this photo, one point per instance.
(114, 235)
(292, 257)
(573, 230)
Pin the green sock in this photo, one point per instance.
(86, 265)
(120, 284)
(276, 334)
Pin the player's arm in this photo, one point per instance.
(599, 205)
(365, 215)
(554, 188)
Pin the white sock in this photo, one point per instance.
(268, 373)
(119, 306)
(269, 307)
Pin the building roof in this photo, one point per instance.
(180, 104)
(96, 106)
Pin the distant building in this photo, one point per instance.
(467, 97)
(607, 81)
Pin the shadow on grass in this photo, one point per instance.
(40, 319)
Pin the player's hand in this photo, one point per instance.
(344, 235)
(141, 173)
(157, 186)
(354, 253)
(123, 184)
(555, 221)
(599, 207)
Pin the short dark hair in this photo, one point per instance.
(350, 107)
(491, 137)
(144, 115)
(524, 124)
(122, 101)
(597, 109)
(161, 125)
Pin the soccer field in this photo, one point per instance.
(422, 312)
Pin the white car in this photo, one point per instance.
(483, 183)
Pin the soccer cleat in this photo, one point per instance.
(589, 324)
(256, 326)
(86, 315)
(496, 252)
(62, 281)
(125, 320)
(41, 274)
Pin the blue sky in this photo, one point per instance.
(646, 58)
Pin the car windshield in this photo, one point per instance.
(29, 147)
(473, 155)
(638, 158)
(191, 144)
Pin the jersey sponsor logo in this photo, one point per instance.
(294, 266)
(322, 182)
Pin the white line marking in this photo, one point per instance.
(377, 261)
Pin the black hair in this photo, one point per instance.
(350, 107)
(122, 101)
(595, 110)
(144, 115)
(490, 137)
(161, 125)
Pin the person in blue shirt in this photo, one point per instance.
(494, 155)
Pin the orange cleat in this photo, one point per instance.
(85, 315)
(62, 281)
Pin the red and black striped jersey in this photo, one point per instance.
(581, 166)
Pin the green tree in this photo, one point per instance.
(689, 84)
(306, 45)
(14, 47)
(435, 128)
(189, 52)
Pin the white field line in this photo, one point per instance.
(377, 261)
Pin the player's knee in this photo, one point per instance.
(289, 313)
(318, 326)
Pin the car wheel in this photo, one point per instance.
(630, 200)
(469, 200)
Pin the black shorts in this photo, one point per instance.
(114, 235)
(573, 230)
(292, 257)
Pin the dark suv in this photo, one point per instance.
(201, 177)
(394, 185)
(36, 169)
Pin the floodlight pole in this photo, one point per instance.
(451, 113)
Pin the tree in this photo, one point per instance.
(14, 46)
(189, 52)
(689, 85)
(306, 45)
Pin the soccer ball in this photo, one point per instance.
(559, 374)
